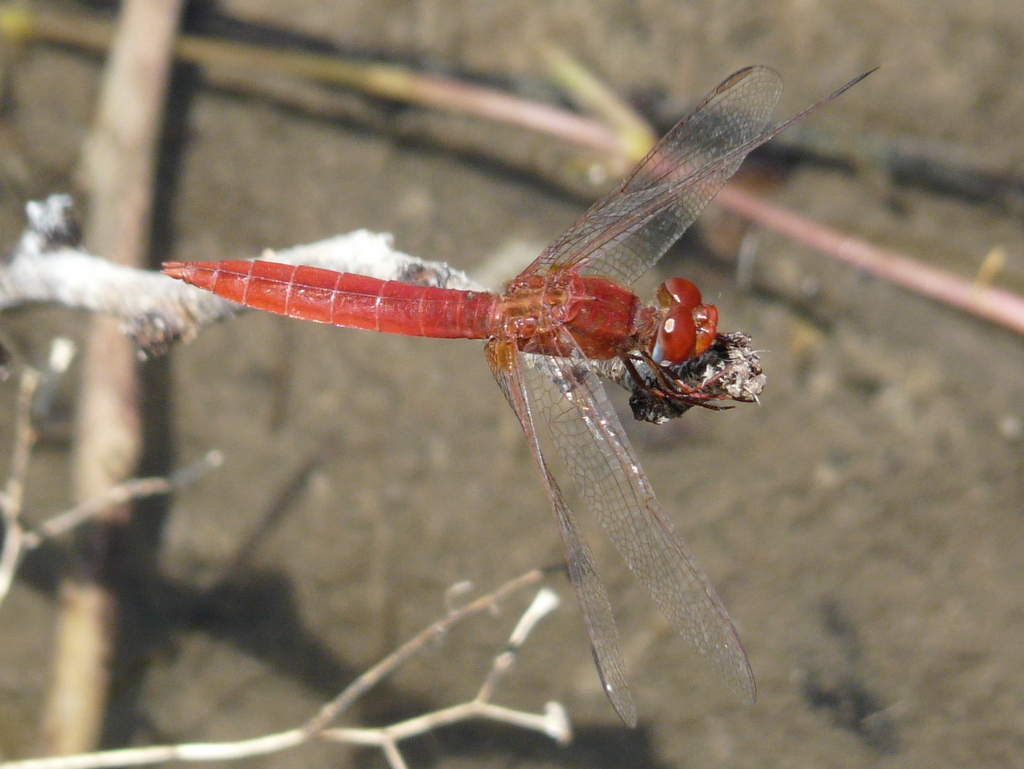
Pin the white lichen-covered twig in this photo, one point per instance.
(48, 265)
(552, 722)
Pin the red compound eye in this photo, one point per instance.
(705, 318)
(689, 326)
(677, 337)
(678, 291)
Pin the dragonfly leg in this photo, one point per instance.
(668, 387)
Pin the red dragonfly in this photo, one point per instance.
(571, 307)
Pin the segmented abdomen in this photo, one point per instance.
(343, 298)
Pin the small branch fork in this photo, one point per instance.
(553, 722)
(17, 540)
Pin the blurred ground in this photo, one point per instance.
(863, 525)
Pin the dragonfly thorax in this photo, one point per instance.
(599, 314)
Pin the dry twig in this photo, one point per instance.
(132, 490)
(17, 540)
(553, 721)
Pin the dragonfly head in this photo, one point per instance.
(689, 326)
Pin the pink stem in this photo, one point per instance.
(994, 304)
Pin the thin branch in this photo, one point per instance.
(372, 676)
(593, 95)
(553, 721)
(158, 754)
(131, 490)
(545, 602)
(17, 541)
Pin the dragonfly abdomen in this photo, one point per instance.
(344, 298)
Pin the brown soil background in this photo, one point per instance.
(863, 525)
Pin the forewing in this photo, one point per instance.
(591, 441)
(626, 232)
(506, 365)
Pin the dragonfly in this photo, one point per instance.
(569, 310)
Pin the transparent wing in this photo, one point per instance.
(590, 439)
(626, 232)
(507, 367)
